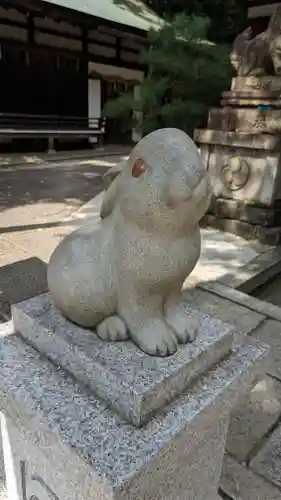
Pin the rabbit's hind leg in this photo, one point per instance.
(112, 329)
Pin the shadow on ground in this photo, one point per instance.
(75, 182)
(20, 281)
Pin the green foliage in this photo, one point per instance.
(186, 75)
(228, 17)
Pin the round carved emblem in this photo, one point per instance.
(235, 174)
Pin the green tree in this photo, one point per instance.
(228, 17)
(186, 75)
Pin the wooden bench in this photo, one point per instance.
(17, 126)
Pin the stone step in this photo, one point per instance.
(255, 415)
(246, 212)
(245, 119)
(251, 98)
(239, 482)
(132, 383)
(265, 235)
(250, 102)
(267, 462)
(261, 83)
(245, 140)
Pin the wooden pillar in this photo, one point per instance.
(31, 30)
(51, 145)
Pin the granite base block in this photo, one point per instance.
(129, 381)
(76, 448)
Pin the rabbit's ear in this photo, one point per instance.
(113, 172)
(110, 197)
(112, 181)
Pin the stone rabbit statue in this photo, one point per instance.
(124, 276)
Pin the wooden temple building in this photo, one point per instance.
(60, 60)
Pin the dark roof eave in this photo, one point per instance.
(41, 7)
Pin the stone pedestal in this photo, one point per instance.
(242, 151)
(82, 419)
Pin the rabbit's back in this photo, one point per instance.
(80, 276)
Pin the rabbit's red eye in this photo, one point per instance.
(138, 168)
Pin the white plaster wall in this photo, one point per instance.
(137, 131)
(95, 89)
(94, 101)
(94, 98)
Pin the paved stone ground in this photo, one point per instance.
(34, 201)
(40, 203)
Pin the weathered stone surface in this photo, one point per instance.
(246, 102)
(250, 56)
(253, 417)
(266, 235)
(246, 212)
(267, 462)
(252, 94)
(246, 140)
(261, 83)
(251, 98)
(258, 55)
(124, 275)
(242, 319)
(251, 120)
(244, 174)
(241, 483)
(131, 382)
(58, 423)
(275, 40)
(270, 333)
(176, 472)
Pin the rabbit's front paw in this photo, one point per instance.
(177, 318)
(112, 329)
(183, 330)
(156, 338)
